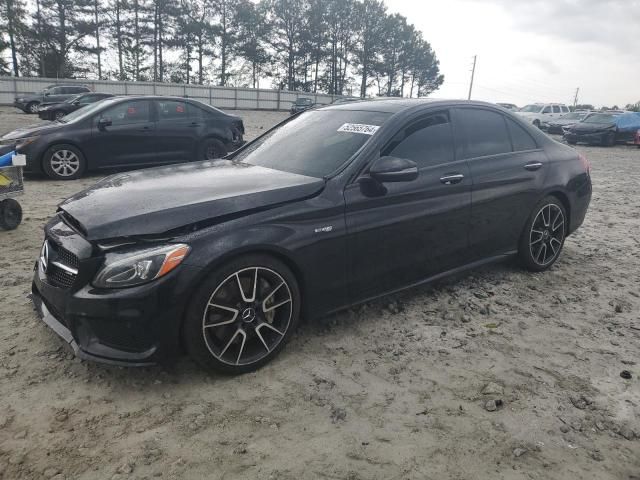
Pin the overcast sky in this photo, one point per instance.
(533, 50)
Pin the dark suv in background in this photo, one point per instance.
(29, 102)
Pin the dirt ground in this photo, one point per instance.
(399, 388)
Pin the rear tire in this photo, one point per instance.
(235, 331)
(543, 236)
(10, 214)
(64, 162)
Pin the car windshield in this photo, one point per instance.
(315, 144)
(531, 108)
(83, 112)
(601, 118)
(573, 116)
(74, 98)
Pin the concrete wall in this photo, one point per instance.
(222, 97)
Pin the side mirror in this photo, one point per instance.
(394, 169)
(104, 123)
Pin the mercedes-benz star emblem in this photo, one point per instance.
(248, 315)
(44, 256)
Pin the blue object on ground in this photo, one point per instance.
(5, 160)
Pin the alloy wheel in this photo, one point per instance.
(547, 234)
(247, 316)
(33, 108)
(64, 163)
(59, 115)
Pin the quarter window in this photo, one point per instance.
(427, 142)
(546, 110)
(127, 113)
(485, 132)
(520, 138)
(556, 109)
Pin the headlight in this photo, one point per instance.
(140, 266)
(23, 142)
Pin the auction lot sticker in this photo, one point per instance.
(359, 128)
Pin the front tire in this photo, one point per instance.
(64, 162)
(543, 237)
(242, 315)
(32, 107)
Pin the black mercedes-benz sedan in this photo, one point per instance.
(126, 132)
(55, 111)
(328, 209)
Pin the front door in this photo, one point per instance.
(401, 233)
(507, 169)
(128, 139)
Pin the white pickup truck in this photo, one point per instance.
(540, 114)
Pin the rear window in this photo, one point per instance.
(484, 133)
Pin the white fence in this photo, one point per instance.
(222, 97)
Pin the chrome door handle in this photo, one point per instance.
(533, 166)
(452, 179)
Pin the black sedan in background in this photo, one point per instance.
(127, 132)
(329, 209)
(595, 129)
(300, 105)
(559, 125)
(54, 111)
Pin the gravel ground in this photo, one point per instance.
(497, 373)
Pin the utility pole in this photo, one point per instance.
(473, 73)
(575, 99)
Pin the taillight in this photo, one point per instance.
(585, 163)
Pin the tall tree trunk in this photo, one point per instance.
(136, 68)
(12, 42)
(155, 41)
(95, 10)
(160, 28)
(40, 37)
(62, 40)
(119, 41)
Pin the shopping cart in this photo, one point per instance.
(11, 185)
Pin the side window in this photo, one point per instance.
(427, 142)
(564, 109)
(556, 109)
(56, 90)
(484, 132)
(127, 113)
(546, 110)
(86, 99)
(176, 110)
(520, 138)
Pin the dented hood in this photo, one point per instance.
(157, 200)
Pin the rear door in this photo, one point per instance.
(56, 95)
(130, 138)
(507, 169)
(179, 128)
(407, 231)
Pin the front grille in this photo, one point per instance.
(59, 277)
(58, 258)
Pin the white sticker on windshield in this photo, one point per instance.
(359, 128)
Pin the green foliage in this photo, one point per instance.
(334, 46)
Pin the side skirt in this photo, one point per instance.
(463, 268)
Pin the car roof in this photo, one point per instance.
(395, 105)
